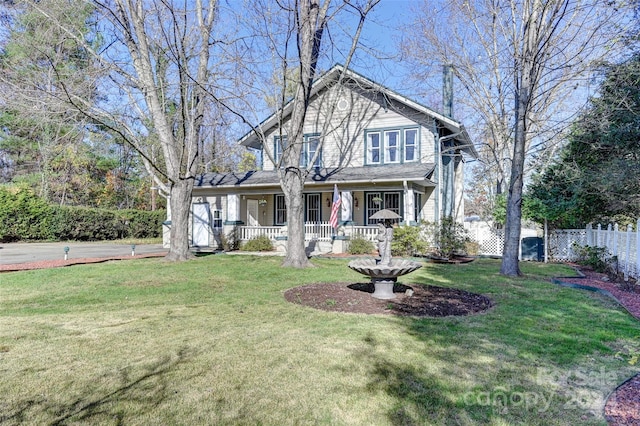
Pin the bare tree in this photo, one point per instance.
(294, 34)
(519, 63)
(154, 70)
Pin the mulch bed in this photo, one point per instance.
(415, 300)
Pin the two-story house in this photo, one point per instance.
(381, 149)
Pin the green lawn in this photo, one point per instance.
(212, 341)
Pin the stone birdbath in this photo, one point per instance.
(384, 272)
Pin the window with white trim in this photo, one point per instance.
(392, 145)
(279, 145)
(417, 206)
(217, 219)
(280, 213)
(373, 148)
(311, 145)
(410, 145)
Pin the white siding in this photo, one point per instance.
(343, 134)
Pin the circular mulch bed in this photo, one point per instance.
(419, 301)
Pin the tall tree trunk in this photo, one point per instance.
(293, 184)
(525, 81)
(179, 235)
(510, 265)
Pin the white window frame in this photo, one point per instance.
(370, 148)
(388, 147)
(307, 153)
(278, 148)
(385, 148)
(216, 219)
(415, 144)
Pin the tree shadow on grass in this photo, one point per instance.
(147, 389)
(418, 396)
(528, 355)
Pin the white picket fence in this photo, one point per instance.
(624, 244)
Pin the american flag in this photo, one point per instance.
(335, 208)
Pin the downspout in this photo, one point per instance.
(439, 151)
(436, 146)
(406, 200)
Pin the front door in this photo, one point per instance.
(252, 213)
(201, 224)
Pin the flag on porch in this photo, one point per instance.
(335, 208)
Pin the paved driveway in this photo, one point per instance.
(15, 253)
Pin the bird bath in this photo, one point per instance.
(384, 272)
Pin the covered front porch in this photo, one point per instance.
(241, 207)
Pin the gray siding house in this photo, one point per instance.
(381, 149)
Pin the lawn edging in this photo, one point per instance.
(622, 387)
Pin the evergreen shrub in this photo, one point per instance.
(360, 245)
(259, 243)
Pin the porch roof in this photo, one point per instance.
(411, 172)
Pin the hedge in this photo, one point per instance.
(26, 217)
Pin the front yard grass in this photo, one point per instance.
(212, 341)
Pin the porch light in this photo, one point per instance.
(262, 202)
(355, 202)
(328, 202)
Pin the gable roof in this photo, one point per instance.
(456, 129)
(413, 172)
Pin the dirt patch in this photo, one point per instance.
(414, 300)
(57, 263)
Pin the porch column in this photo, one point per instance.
(409, 208)
(233, 209)
(346, 209)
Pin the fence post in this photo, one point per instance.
(599, 236)
(589, 235)
(637, 251)
(546, 241)
(615, 239)
(627, 252)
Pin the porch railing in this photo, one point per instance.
(312, 232)
(318, 231)
(368, 232)
(251, 232)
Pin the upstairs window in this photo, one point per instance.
(311, 145)
(373, 148)
(392, 146)
(410, 145)
(279, 145)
